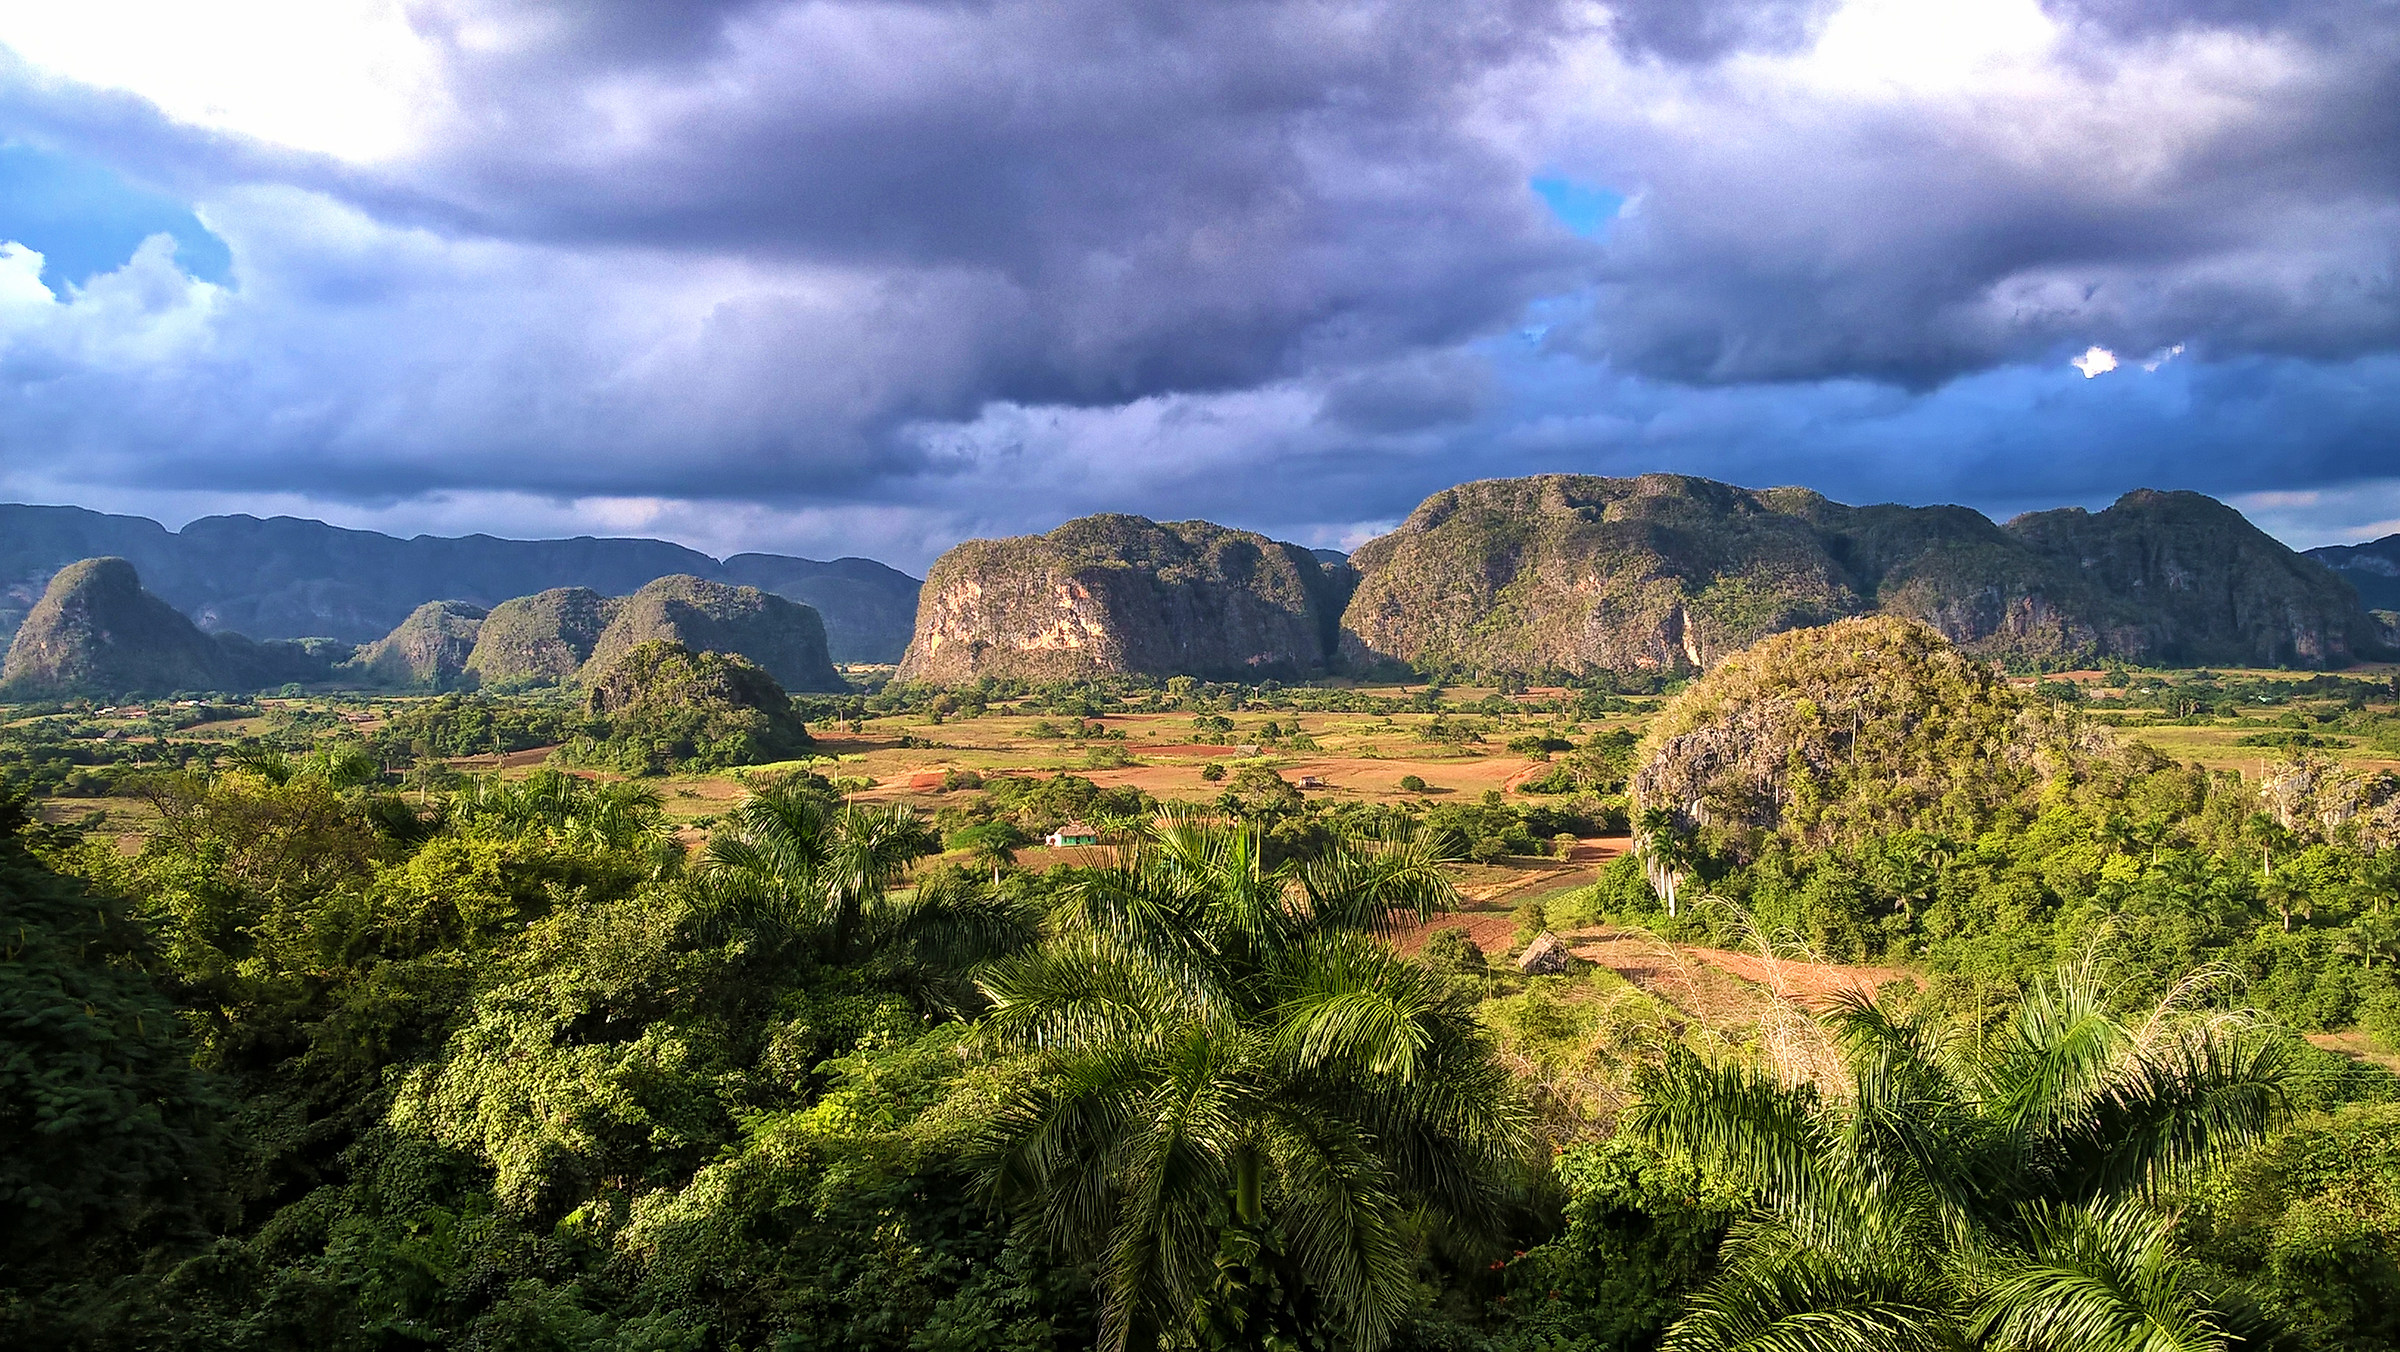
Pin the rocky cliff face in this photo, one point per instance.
(289, 578)
(541, 639)
(1664, 572)
(96, 632)
(783, 637)
(2190, 580)
(427, 651)
(1124, 594)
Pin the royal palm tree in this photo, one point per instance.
(1949, 1197)
(806, 871)
(1249, 1109)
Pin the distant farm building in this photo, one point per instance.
(1073, 833)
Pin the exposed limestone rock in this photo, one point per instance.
(1123, 594)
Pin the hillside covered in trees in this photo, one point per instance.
(1578, 573)
(348, 1050)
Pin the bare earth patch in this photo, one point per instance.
(2358, 1046)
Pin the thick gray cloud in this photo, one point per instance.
(911, 270)
(2234, 186)
(1169, 196)
(1707, 30)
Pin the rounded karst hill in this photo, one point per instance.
(541, 639)
(1582, 573)
(96, 632)
(1123, 594)
(783, 637)
(1826, 734)
(668, 707)
(428, 650)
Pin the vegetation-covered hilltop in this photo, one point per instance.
(542, 639)
(1577, 573)
(663, 706)
(96, 631)
(1124, 594)
(428, 651)
(785, 638)
(1826, 735)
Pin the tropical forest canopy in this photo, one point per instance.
(520, 1021)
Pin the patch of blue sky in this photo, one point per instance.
(1584, 208)
(84, 218)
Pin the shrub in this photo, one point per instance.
(1413, 784)
(1449, 952)
(1212, 772)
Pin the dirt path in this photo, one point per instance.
(2358, 1046)
(1654, 964)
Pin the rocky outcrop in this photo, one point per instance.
(96, 632)
(2192, 581)
(542, 639)
(784, 638)
(1578, 573)
(428, 651)
(1123, 595)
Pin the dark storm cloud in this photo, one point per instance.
(1177, 196)
(2245, 202)
(2142, 17)
(1705, 30)
(979, 265)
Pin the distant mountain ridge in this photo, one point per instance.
(285, 577)
(2372, 569)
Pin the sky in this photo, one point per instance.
(836, 277)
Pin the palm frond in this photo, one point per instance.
(1087, 992)
(2169, 1115)
(1344, 1222)
(1767, 1137)
(1376, 884)
(1173, 1174)
(2102, 1279)
(1808, 1303)
(1357, 1003)
(2058, 1053)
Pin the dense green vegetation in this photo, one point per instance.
(1859, 792)
(661, 706)
(339, 1053)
